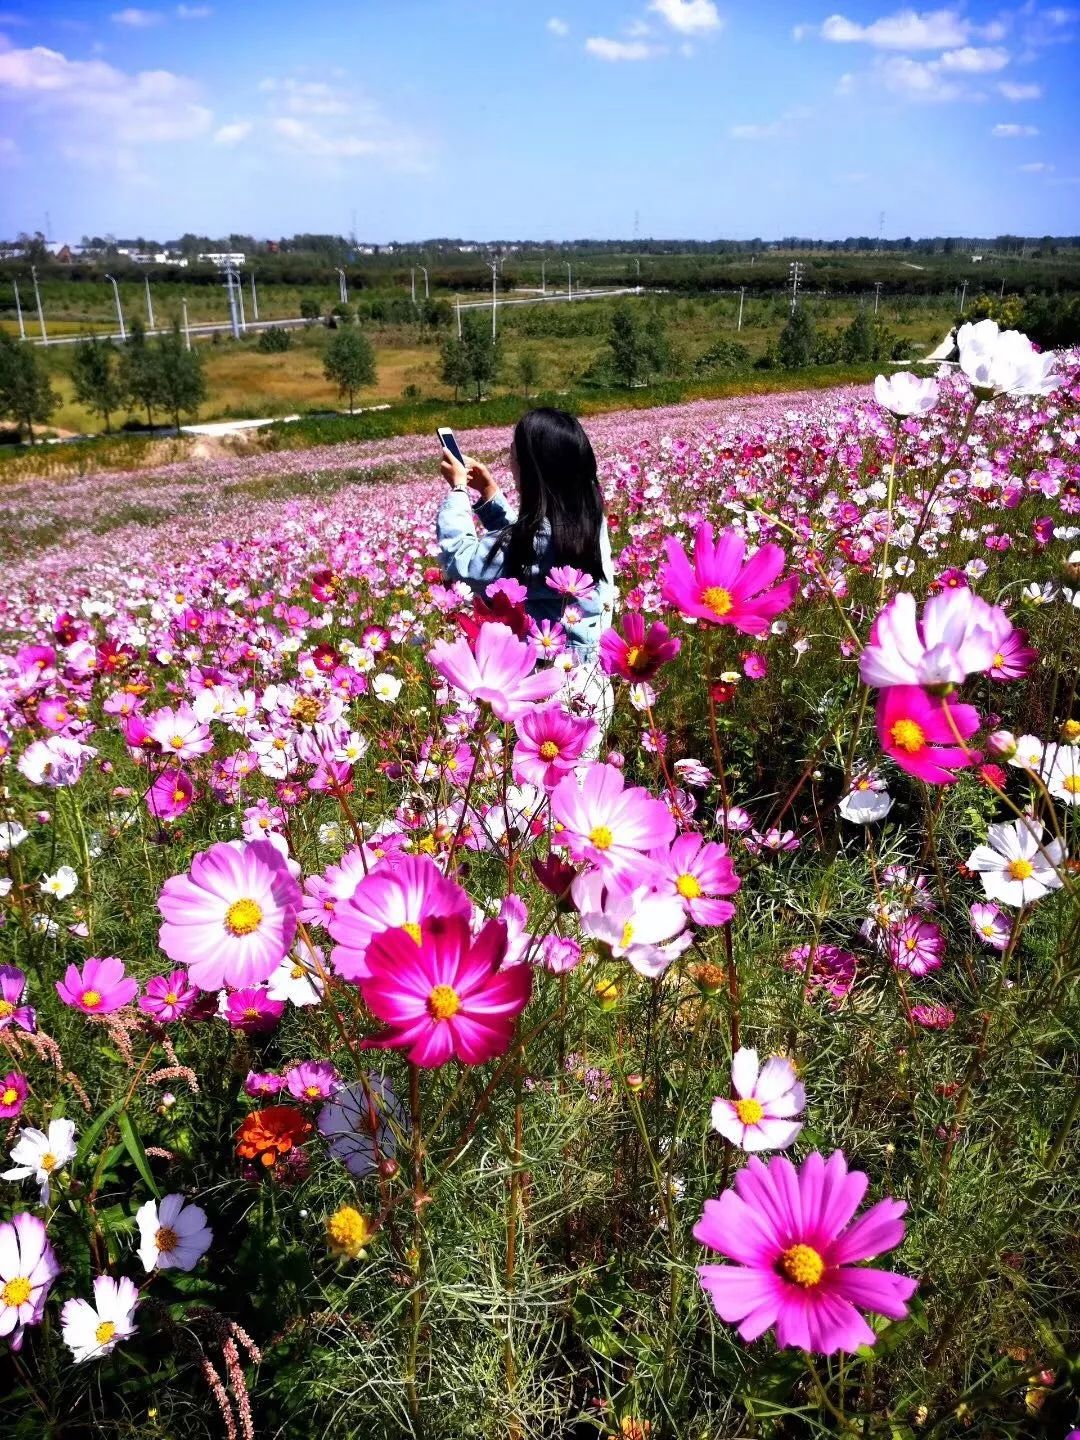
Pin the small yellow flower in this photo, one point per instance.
(607, 994)
(348, 1232)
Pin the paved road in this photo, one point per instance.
(253, 326)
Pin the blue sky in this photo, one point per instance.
(504, 118)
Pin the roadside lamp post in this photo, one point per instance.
(18, 311)
(569, 282)
(119, 311)
(427, 291)
(37, 297)
(149, 304)
(494, 297)
(343, 287)
(254, 298)
(187, 327)
(457, 307)
(412, 283)
(742, 297)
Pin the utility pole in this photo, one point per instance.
(457, 307)
(37, 297)
(543, 278)
(187, 328)
(412, 281)
(742, 297)
(232, 305)
(119, 311)
(149, 304)
(877, 294)
(795, 275)
(254, 299)
(18, 311)
(963, 296)
(343, 287)
(569, 282)
(1003, 287)
(240, 302)
(427, 291)
(494, 294)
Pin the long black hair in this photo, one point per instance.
(557, 483)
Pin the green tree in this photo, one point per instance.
(181, 385)
(452, 364)
(481, 353)
(626, 342)
(528, 369)
(25, 393)
(798, 343)
(309, 309)
(95, 372)
(139, 379)
(859, 340)
(659, 355)
(349, 363)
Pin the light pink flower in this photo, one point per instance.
(609, 825)
(768, 1095)
(501, 672)
(399, 893)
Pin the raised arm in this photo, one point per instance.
(463, 553)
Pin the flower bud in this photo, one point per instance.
(1002, 744)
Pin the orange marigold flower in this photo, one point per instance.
(267, 1135)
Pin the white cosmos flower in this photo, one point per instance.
(172, 1235)
(767, 1097)
(41, 1154)
(1004, 361)
(1063, 781)
(12, 835)
(646, 929)
(906, 394)
(867, 801)
(293, 982)
(60, 885)
(386, 687)
(91, 1331)
(1016, 867)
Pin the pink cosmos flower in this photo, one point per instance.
(501, 672)
(232, 918)
(826, 968)
(258, 1084)
(28, 1267)
(919, 731)
(933, 1017)
(99, 988)
(311, 1080)
(958, 635)
(559, 954)
(179, 732)
(991, 924)
(13, 1092)
(550, 744)
(170, 795)
(445, 995)
(12, 990)
(916, 945)
(697, 871)
(610, 826)
(768, 1095)
(168, 997)
(1013, 658)
(720, 588)
(637, 654)
(566, 580)
(401, 893)
(252, 1009)
(640, 926)
(796, 1251)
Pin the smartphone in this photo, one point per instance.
(449, 442)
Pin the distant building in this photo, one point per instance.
(221, 259)
(975, 259)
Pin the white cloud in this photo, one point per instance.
(1013, 91)
(137, 19)
(1037, 167)
(301, 135)
(233, 133)
(92, 105)
(558, 27)
(335, 123)
(689, 17)
(193, 12)
(768, 131)
(618, 50)
(906, 30)
(1014, 132)
(915, 79)
(971, 60)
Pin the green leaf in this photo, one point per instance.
(134, 1146)
(90, 1139)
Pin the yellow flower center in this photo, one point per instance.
(688, 887)
(91, 999)
(1021, 869)
(166, 1240)
(443, 1002)
(251, 1013)
(104, 1332)
(9, 1096)
(1071, 783)
(16, 1292)
(243, 917)
(803, 1264)
(312, 1092)
(626, 936)
(750, 1112)
(636, 657)
(907, 735)
(177, 742)
(601, 837)
(6, 1009)
(717, 599)
(549, 750)
(411, 928)
(177, 795)
(297, 972)
(1071, 730)
(48, 1162)
(348, 1231)
(171, 998)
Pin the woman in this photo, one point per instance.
(560, 523)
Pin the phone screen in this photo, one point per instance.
(448, 439)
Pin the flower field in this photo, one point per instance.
(388, 1049)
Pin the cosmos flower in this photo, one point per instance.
(1017, 866)
(42, 1154)
(641, 926)
(720, 589)
(91, 1331)
(500, 671)
(906, 394)
(868, 800)
(172, 1234)
(638, 653)
(1004, 362)
(61, 884)
(168, 997)
(401, 893)
(252, 1009)
(550, 743)
(101, 987)
(991, 924)
(311, 1080)
(444, 995)
(13, 1092)
(957, 635)
(611, 825)
(699, 873)
(232, 918)
(573, 583)
(922, 733)
(797, 1250)
(28, 1267)
(767, 1097)
(12, 990)
(916, 945)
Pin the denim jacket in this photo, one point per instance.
(465, 555)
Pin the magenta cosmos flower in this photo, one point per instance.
(922, 733)
(550, 743)
(917, 946)
(500, 672)
(796, 1251)
(13, 1092)
(170, 795)
(699, 871)
(232, 918)
(400, 893)
(251, 1009)
(12, 990)
(610, 826)
(445, 995)
(99, 988)
(637, 654)
(168, 997)
(720, 588)
(767, 1097)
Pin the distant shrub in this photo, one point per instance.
(725, 357)
(274, 341)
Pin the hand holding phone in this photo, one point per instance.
(448, 440)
